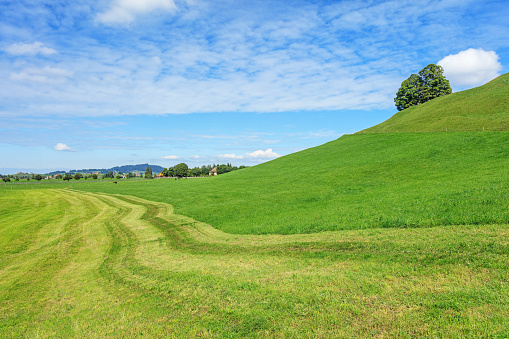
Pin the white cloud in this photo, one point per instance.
(268, 154)
(46, 74)
(171, 157)
(288, 60)
(63, 147)
(472, 67)
(256, 155)
(125, 11)
(31, 49)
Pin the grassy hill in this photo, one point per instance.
(481, 108)
(422, 250)
(366, 180)
(355, 182)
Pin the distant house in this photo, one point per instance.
(213, 171)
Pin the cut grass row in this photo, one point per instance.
(93, 265)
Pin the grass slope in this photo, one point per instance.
(366, 180)
(77, 264)
(94, 265)
(356, 182)
(485, 107)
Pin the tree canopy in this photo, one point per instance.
(180, 170)
(419, 88)
(148, 172)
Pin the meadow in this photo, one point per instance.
(392, 180)
(380, 234)
(77, 264)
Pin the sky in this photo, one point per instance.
(97, 84)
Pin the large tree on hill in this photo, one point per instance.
(429, 84)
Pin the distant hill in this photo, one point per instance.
(123, 169)
(477, 109)
(133, 168)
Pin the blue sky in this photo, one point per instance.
(96, 84)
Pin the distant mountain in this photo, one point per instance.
(133, 168)
(123, 169)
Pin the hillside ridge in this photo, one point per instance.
(372, 180)
(483, 108)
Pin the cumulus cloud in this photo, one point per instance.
(470, 68)
(256, 155)
(125, 11)
(30, 49)
(171, 157)
(268, 154)
(63, 147)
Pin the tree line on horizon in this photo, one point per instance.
(183, 170)
(66, 176)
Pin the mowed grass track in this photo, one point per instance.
(96, 265)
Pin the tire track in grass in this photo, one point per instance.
(126, 299)
(119, 266)
(100, 290)
(75, 278)
(78, 305)
(219, 264)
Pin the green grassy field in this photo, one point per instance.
(360, 181)
(380, 234)
(77, 264)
